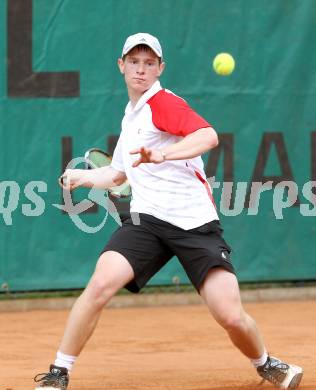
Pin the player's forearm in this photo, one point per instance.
(192, 145)
(102, 178)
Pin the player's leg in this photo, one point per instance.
(205, 257)
(220, 291)
(112, 272)
(131, 257)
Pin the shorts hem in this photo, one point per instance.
(131, 286)
(229, 268)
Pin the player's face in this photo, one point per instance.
(141, 69)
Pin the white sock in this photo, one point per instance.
(260, 361)
(63, 360)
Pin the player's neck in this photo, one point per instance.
(134, 96)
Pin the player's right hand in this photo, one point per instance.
(70, 179)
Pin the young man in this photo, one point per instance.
(159, 151)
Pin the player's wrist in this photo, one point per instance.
(163, 155)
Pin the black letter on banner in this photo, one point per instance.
(22, 81)
(112, 141)
(268, 139)
(226, 144)
(66, 145)
(313, 159)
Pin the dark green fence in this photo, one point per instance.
(61, 93)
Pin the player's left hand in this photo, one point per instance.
(147, 156)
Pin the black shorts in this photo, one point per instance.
(149, 245)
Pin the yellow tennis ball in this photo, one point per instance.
(224, 64)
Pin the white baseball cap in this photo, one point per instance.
(142, 39)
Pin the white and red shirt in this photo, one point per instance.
(175, 191)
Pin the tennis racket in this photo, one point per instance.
(97, 158)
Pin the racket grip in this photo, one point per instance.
(62, 180)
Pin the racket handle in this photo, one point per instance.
(62, 180)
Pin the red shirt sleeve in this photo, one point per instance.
(172, 114)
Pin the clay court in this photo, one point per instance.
(157, 348)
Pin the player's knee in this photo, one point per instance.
(233, 322)
(101, 291)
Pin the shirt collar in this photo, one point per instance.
(156, 87)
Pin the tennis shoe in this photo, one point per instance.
(56, 379)
(282, 375)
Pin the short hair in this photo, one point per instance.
(142, 47)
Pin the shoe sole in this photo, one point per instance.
(47, 388)
(296, 380)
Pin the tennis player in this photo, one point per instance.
(159, 152)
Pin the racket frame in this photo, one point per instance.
(91, 165)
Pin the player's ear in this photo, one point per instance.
(120, 64)
(161, 68)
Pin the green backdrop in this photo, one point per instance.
(61, 93)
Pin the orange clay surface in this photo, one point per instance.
(158, 348)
